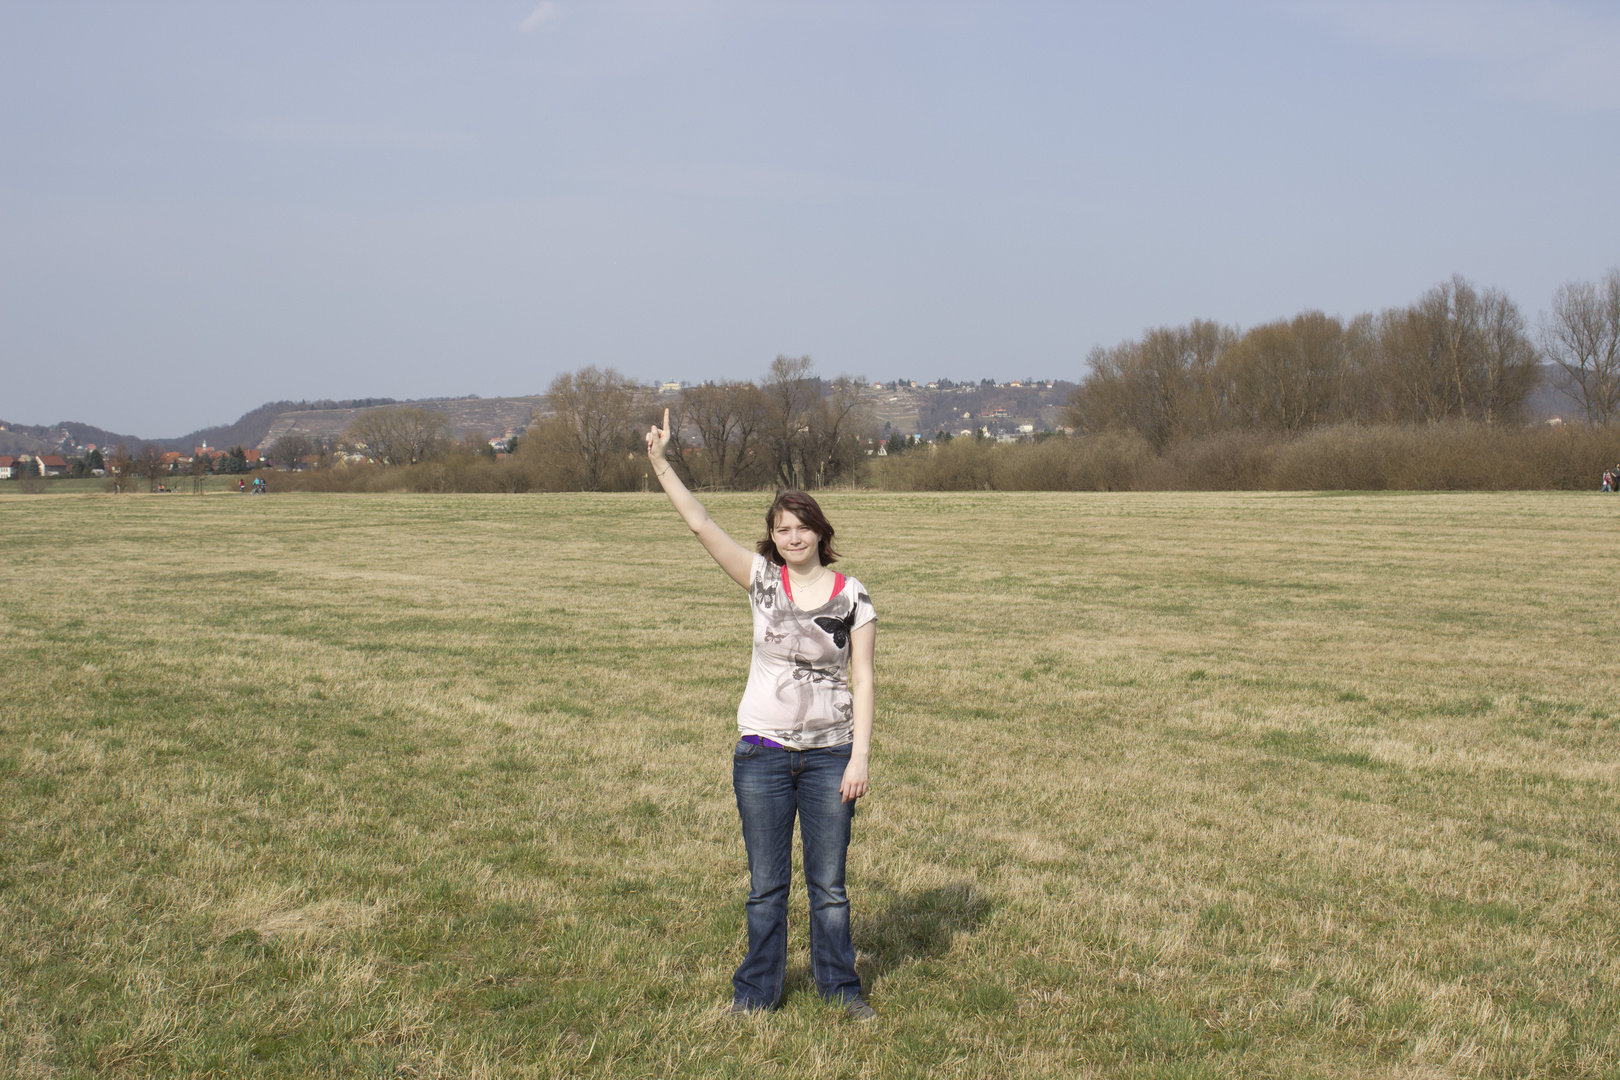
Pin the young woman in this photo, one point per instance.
(806, 733)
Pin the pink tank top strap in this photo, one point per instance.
(787, 586)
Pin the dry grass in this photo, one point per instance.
(1165, 786)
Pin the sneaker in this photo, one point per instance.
(743, 1008)
(860, 1011)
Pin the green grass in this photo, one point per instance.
(1164, 786)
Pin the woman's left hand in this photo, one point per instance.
(854, 785)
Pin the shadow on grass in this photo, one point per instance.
(908, 928)
(916, 926)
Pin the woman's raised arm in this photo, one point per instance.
(736, 560)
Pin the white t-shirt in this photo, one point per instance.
(798, 684)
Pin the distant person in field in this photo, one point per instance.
(1608, 480)
(805, 726)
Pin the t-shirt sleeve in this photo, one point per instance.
(864, 612)
(760, 593)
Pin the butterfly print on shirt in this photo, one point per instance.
(773, 639)
(804, 670)
(840, 629)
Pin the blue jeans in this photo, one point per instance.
(772, 786)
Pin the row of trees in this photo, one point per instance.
(1448, 455)
(1459, 353)
(793, 429)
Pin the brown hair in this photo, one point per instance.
(809, 513)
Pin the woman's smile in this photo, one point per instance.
(797, 543)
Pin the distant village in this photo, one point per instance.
(91, 460)
(903, 411)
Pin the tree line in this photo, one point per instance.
(1458, 353)
(1202, 398)
(793, 428)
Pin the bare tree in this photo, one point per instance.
(200, 464)
(1457, 353)
(1367, 396)
(121, 467)
(401, 434)
(790, 392)
(1286, 375)
(1172, 384)
(1205, 346)
(1506, 366)
(1404, 361)
(1453, 313)
(1581, 334)
(149, 464)
(291, 448)
(422, 433)
(594, 408)
(1162, 384)
(1105, 399)
(729, 418)
(1421, 345)
(832, 443)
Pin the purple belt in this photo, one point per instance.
(760, 740)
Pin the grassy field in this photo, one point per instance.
(1164, 786)
(210, 483)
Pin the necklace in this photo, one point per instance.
(805, 583)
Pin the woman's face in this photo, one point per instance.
(796, 542)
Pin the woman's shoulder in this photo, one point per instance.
(856, 591)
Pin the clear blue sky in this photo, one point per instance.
(207, 205)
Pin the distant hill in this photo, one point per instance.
(13, 441)
(251, 428)
(467, 416)
(263, 425)
(38, 439)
